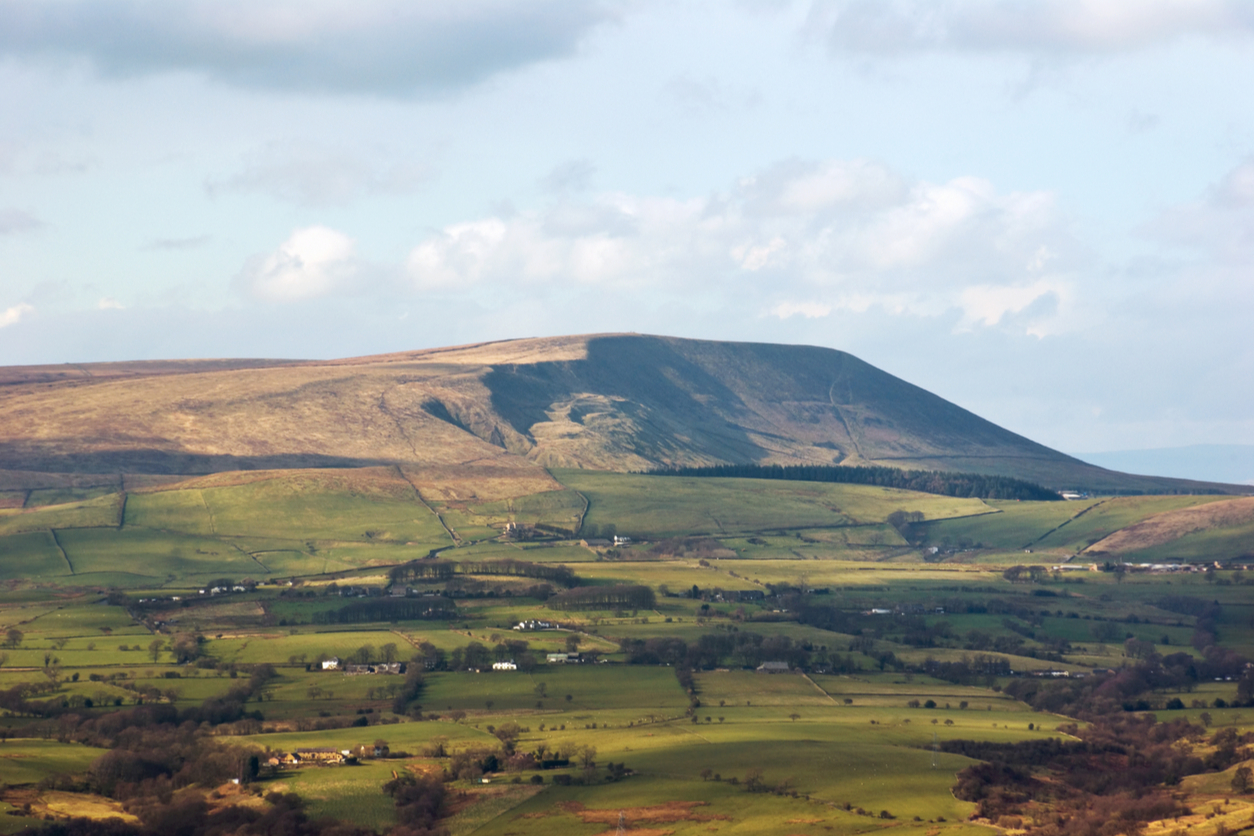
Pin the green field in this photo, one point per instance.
(668, 506)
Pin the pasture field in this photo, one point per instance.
(28, 761)
(670, 506)
(349, 794)
(1016, 525)
(869, 611)
(103, 511)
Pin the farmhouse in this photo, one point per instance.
(323, 754)
(387, 667)
(774, 667)
(532, 624)
(332, 664)
(504, 666)
(564, 658)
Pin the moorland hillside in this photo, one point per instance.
(610, 402)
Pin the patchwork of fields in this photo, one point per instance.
(898, 637)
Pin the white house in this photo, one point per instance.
(332, 664)
(504, 666)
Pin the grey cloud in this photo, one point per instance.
(1032, 26)
(307, 174)
(387, 47)
(570, 176)
(13, 221)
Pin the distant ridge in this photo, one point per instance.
(624, 402)
(1213, 462)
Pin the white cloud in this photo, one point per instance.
(14, 315)
(1032, 26)
(842, 235)
(108, 303)
(809, 310)
(313, 262)
(988, 304)
(390, 47)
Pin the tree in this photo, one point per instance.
(13, 637)
(706, 773)
(572, 643)
(1242, 781)
(389, 652)
(154, 649)
(753, 780)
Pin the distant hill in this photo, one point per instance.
(1210, 462)
(610, 402)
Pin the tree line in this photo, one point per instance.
(444, 570)
(389, 609)
(968, 485)
(617, 597)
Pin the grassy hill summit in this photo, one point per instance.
(607, 402)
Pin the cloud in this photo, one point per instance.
(1031, 26)
(847, 235)
(810, 310)
(570, 176)
(313, 262)
(988, 305)
(13, 221)
(387, 47)
(108, 303)
(14, 315)
(1220, 223)
(190, 243)
(312, 175)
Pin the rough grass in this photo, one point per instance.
(1114, 514)
(1213, 519)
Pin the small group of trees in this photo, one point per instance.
(1026, 574)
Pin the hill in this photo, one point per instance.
(609, 402)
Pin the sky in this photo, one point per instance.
(1042, 210)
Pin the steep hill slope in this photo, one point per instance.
(613, 402)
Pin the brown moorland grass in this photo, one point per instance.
(1172, 525)
(612, 401)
